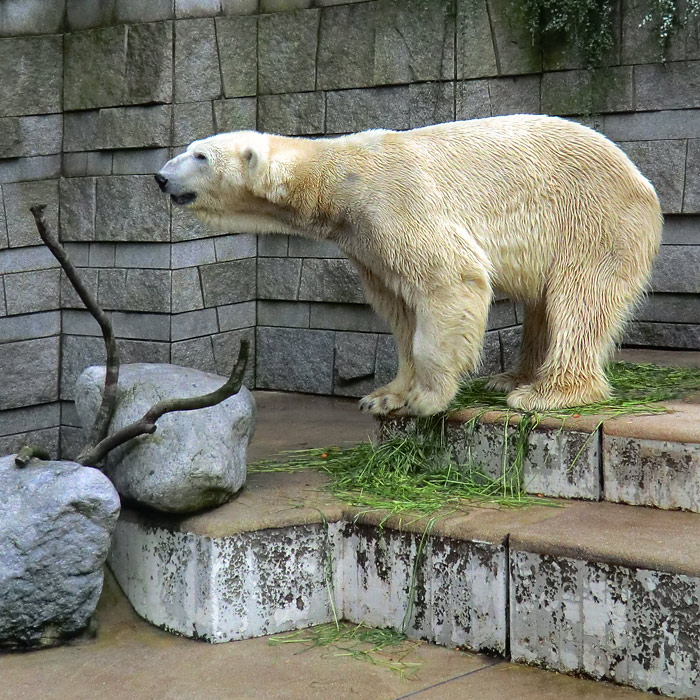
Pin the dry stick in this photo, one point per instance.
(147, 424)
(109, 395)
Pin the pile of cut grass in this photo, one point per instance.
(386, 648)
(413, 471)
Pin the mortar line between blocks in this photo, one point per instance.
(506, 646)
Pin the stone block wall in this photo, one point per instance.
(99, 93)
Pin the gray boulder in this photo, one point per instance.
(56, 524)
(195, 459)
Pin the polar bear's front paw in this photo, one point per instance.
(380, 403)
(543, 397)
(505, 383)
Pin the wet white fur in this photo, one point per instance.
(436, 219)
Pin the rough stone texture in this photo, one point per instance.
(31, 17)
(295, 360)
(130, 208)
(414, 41)
(517, 95)
(196, 459)
(235, 115)
(296, 113)
(30, 372)
(430, 103)
(476, 55)
(460, 586)
(287, 44)
(691, 194)
(663, 162)
(197, 75)
(330, 280)
(346, 46)
(226, 588)
(27, 292)
(354, 363)
(55, 531)
(472, 99)
(30, 136)
(357, 110)
(118, 127)
(631, 626)
(238, 46)
(228, 282)
(32, 70)
(667, 86)
(192, 121)
(21, 228)
(283, 313)
(676, 270)
(279, 278)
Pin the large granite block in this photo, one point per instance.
(295, 360)
(516, 49)
(139, 161)
(197, 353)
(654, 460)
(517, 95)
(677, 269)
(226, 347)
(577, 92)
(676, 308)
(192, 324)
(631, 626)
(26, 326)
(228, 282)
(414, 41)
(32, 75)
(186, 290)
(197, 74)
(19, 17)
(476, 53)
(355, 355)
(192, 121)
(95, 68)
(31, 168)
(663, 162)
(347, 317)
(30, 136)
(21, 259)
(330, 280)
(197, 8)
(21, 228)
(287, 44)
(237, 114)
(472, 99)
(279, 278)
(131, 208)
(300, 113)
(681, 336)
(668, 85)
(431, 103)
(28, 292)
(236, 316)
(149, 63)
(191, 253)
(237, 39)
(346, 46)
(691, 193)
(118, 127)
(375, 108)
(235, 247)
(135, 290)
(30, 372)
(290, 314)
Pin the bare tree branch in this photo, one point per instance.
(147, 424)
(109, 395)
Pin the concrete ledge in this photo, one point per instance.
(597, 589)
(649, 460)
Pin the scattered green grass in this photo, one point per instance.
(386, 648)
(414, 471)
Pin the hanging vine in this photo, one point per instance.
(587, 25)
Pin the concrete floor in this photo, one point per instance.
(132, 660)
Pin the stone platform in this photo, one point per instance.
(649, 460)
(595, 589)
(602, 590)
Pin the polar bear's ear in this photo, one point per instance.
(251, 157)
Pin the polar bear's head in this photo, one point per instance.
(227, 176)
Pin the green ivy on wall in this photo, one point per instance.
(587, 25)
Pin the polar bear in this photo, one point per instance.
(436, 219)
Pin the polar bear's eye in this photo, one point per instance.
(200, 156)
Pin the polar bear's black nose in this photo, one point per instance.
(162, 181)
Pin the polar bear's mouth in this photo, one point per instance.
(186, 198)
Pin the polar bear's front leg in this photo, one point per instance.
(450, 327)
(401, 319)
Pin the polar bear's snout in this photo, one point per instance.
(175, 178)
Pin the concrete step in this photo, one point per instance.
(594, 589)
(650, 460)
